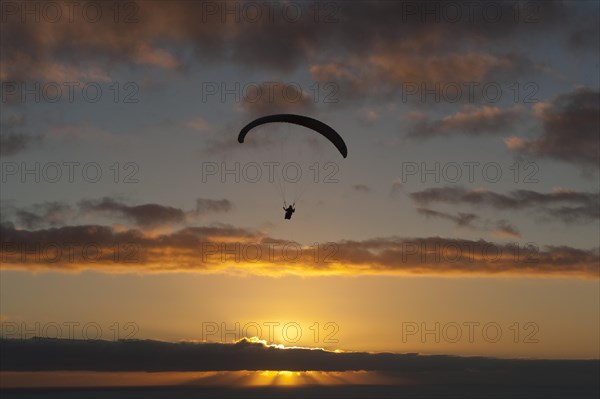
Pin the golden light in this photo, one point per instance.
(247, 378)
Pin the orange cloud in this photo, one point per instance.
(226, 249)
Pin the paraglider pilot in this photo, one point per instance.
(288, 211)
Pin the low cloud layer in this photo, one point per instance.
(154, 356)
(227, 249)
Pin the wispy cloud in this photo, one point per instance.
(461, 219)
(564, 205)
(471, 121)
(56, 213)
(141, 215)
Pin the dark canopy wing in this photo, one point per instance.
(305, 121)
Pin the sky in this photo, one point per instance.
(464, 220)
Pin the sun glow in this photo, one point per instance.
(277, 377)
(304, 378)
(245, 378)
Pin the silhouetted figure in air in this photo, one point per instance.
(288, 211)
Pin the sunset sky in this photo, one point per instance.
(468, 203)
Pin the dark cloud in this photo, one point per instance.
(38, 354)
(461, 219)
(14, 143)
(148, 215)
(43, 214)
(575, 206)
(585, 38)
(471, 122)
(571, 123)
(56, 213)
(163, 32)
(13, 140)
(361, 187)
(142, 215)
(586, 35)
(159, 36)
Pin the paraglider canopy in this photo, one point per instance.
(305, 121)
(310, 123)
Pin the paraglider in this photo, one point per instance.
(305, 121)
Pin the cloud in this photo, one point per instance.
(149, 215)
(565, 205)
(505, 229)
(437, 372)
(427, 77)
(154, 34)
(570, 126)
(142, 215)
(461, 219)
(204, 206)
(14, 143)
(515, 143)
(586, 36)
(361, 188)
(499, 228)
(53, 213)
(471, 121)
(164, 35)
(158, 57)
(56, 213)
(227, 249)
